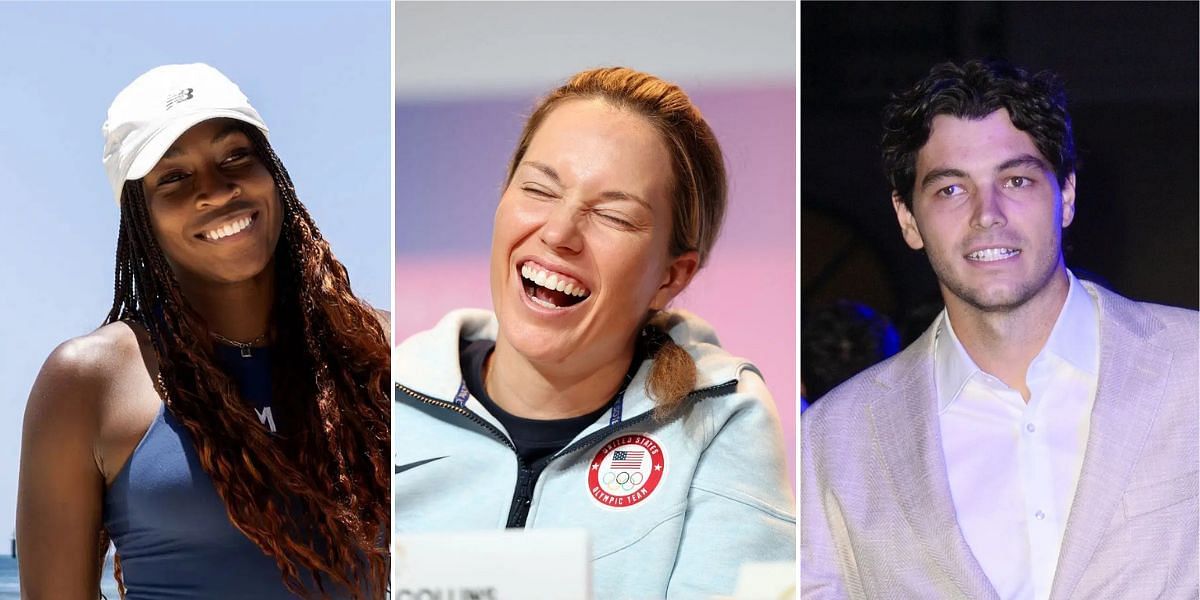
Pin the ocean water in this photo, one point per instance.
(10, 587)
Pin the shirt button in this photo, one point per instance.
(1039, 515)
(1030, 428)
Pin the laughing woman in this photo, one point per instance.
(583, 402)
(225, 427)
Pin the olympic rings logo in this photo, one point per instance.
(626, 470)
(622, 480)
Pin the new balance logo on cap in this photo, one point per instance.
(180, 96)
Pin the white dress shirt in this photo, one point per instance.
(1012, 466)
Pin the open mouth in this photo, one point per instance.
(230, 228)
(992, 254)
(549, 289)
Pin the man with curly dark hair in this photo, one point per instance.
(1040, 439)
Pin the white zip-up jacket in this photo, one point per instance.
(672, 509)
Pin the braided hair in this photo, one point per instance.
(314, 497)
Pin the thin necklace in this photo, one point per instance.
(243, 346)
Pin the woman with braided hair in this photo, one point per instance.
(226, 427)
(583, 402)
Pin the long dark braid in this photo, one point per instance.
(315, 498)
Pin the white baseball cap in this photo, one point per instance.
(158, 107)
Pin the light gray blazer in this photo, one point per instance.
(877, 520)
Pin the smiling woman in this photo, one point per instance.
(587, 402)
(225, 428)
(213, 236)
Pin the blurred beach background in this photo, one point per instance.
(318, 72)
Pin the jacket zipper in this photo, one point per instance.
(523, 492)
(496, 433)
(518, 510)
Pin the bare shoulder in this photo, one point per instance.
(63, 458)
(96, 356)
(80, 370)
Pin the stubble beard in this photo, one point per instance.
(983, 300)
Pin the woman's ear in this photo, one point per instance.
(677, 277)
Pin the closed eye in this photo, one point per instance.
(615, 219)
(537, 192)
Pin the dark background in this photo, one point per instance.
(1130, 71)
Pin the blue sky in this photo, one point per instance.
(319, 73)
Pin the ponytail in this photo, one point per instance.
(672, 372)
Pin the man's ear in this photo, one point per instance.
(1068, 200)
(908, 223)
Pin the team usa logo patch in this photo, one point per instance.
(626, 470)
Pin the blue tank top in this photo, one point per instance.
(169, 525)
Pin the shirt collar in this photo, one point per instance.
(1075, 339)
(953, 367)
(1076, 335)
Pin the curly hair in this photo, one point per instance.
(699, 189)
(315, 497)
(1036, 104)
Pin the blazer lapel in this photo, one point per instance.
(905, 424)
(1128, 393)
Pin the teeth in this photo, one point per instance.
(991, 254)
(542, 302)
(229, 229)
(552, 281)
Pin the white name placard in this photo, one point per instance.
(513, 564)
